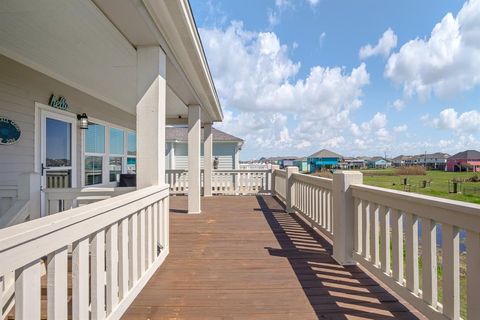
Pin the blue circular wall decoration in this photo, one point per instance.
(9, 131)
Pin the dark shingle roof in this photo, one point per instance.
(324, 153)
(181, 134)
(469, 155)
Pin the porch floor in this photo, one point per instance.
(245, 258)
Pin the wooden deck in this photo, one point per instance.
(245, 258)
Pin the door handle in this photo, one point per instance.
(44, 168)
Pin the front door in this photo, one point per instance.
(57, 141)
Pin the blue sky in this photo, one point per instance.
(356, 77)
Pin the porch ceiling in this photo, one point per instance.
(92, 46)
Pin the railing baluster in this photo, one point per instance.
(397, 245)
(357, 216)
(429, 262)
(166, 222)
(57, 270)
(112, 267)
(97, 250)
(384, 215)
(27, 291)
(123, 258)
(366, 229)
(451, 271)
(141, 242)
(133, 261)
(473, 274)
(155, 230)
(149, 236)
(411, 243)
(374, 234)
(80, 279)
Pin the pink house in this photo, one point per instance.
(464, 161)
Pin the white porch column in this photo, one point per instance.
(207, 160)
(151, 104)
(194, 139)
(343, 224)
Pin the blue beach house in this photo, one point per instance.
(324, 159)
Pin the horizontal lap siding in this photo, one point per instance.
(224, 151)
(20, 88)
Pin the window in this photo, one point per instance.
(109, 152)
(94, 153)
(132, 152)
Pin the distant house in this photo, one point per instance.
(226, 149)
(282, 161)
(403, 161)
(468, 160)
(302, 164)
(324, 159)
(433, 161)
(378, 163)
(352, 163)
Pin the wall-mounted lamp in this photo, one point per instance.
(82, 121)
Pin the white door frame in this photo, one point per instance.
(41, 113)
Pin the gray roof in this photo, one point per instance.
(469, 155)
(324, 153)
(181, 134)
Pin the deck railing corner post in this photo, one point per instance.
(272, 182)
(343, 215)
(289, 190)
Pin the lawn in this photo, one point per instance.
(387, 178)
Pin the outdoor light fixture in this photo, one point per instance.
(82, 121)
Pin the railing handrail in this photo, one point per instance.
(241, 170)
(72, 193)
(14, 239)
(461, 214)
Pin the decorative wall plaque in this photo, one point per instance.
(9, 131)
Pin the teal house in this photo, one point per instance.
(324, 159)
(302, 164)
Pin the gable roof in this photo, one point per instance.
(181, 134)
(324, 153)
(468, 154)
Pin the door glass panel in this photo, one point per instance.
(58, 143)
(59, 178)
(93, 170)
(131, 165)
(116, 141)
(132, 144)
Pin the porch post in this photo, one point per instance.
(151, 107)
(207, 160)
(343, 222)
(194, 138)
(290, 194)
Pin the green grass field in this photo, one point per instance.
(387, 178)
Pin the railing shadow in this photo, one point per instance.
(333, 291)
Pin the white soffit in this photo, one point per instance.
(73, 42)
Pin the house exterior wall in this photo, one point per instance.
(225, 151)
(20, 88)
(318, 163)
(453, 164)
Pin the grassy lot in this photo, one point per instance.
(387, 178)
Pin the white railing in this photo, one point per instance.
(255, 166)
(244, 182)
(224, 182)
(61, 199)
(378, 227)
(8, 196)
(384, 217)
(178, 181)
(116, 244)
(279, 184)
(313, 199)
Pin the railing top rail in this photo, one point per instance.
(240, 170)
(90, 190)
(176, 170)
(8, 187)
(461, 214)
(91, 217)
(314, 180)
(281, 172)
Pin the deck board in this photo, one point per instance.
(245, 258)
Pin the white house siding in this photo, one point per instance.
(225, 151)
(20, 88)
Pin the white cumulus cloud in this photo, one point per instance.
(385, 44)
(447, 62)
(450, 119)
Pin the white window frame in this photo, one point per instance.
(106, 155)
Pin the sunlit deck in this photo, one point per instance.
(244, 257)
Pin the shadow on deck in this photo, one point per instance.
(245, 258)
